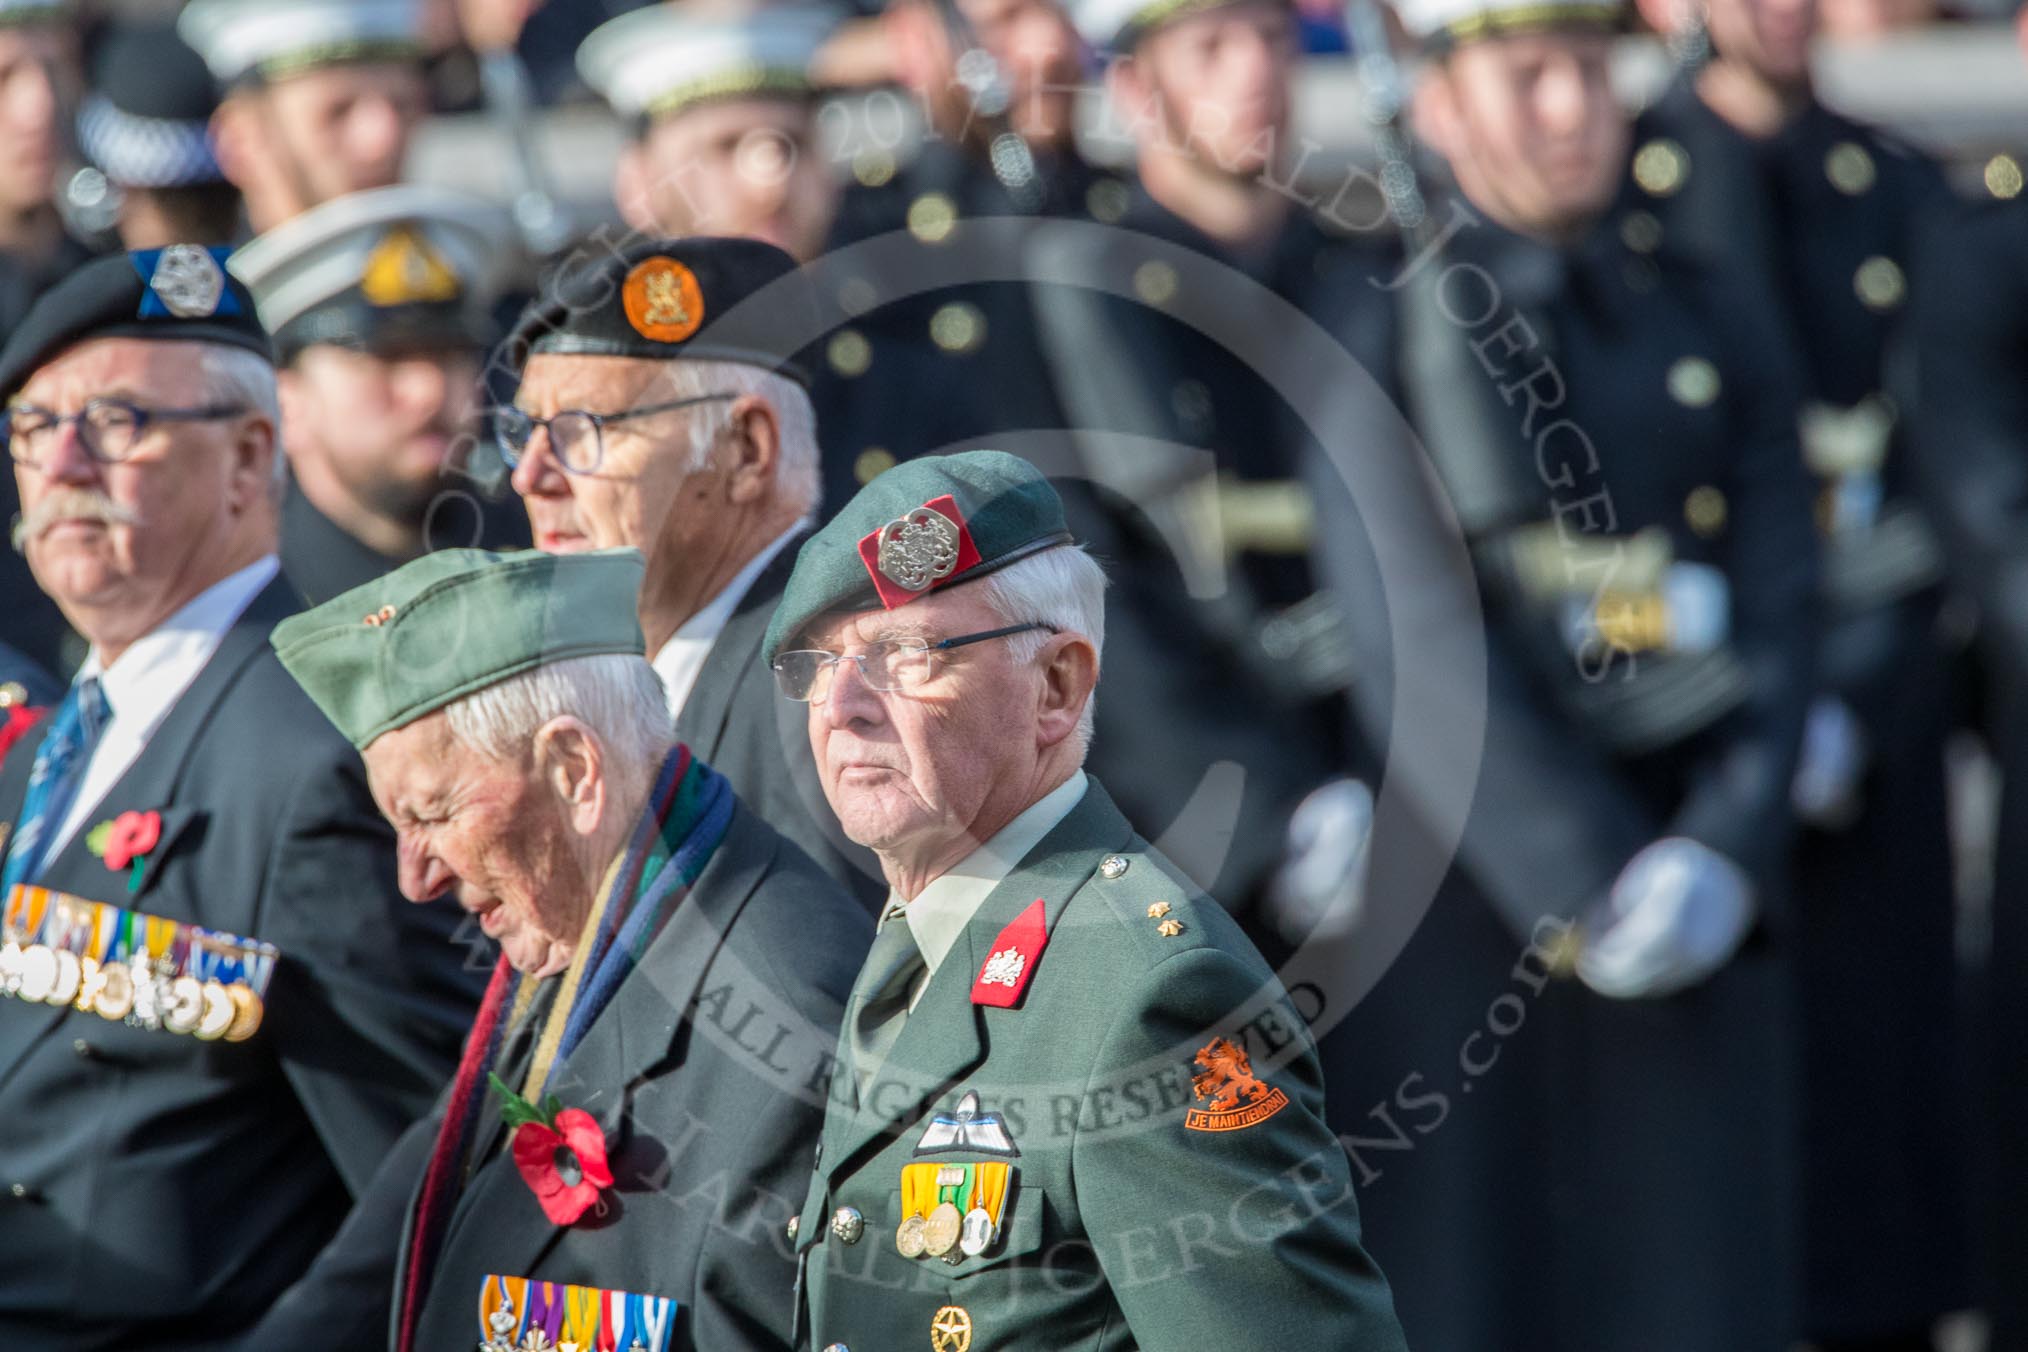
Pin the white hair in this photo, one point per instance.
(234, 375)
(618, 696)
(1062, 587)
(796, 475)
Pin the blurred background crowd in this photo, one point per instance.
(1563, 471)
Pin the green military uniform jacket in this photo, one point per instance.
(1166, 1192)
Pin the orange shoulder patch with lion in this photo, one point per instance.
(1233, 1096)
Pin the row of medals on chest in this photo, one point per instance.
(947, 1232)
(152, 989)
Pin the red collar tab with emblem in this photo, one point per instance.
(919, 551)
(1003, 980)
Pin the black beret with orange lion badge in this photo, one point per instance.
(700, 298)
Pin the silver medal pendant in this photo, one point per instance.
(10, 968)
(976, 1235)
(147, 1008)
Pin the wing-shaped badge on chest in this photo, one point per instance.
(952, 1207)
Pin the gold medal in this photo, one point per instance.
(247, 1013)
(38, 972)
(69, 976)
(116, 992)
(940, 1232)
(219, 1011)
(909, 1240)
(88, 986)
(186, 1005)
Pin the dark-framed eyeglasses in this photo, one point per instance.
(576, 437)
(887, 664)
(108, 429)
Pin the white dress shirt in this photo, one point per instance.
(939, 913)
(681, 659)
(147, 680)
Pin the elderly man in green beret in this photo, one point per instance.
(616, 1158)
(1074, 1106)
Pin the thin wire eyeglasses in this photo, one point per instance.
(886, 665)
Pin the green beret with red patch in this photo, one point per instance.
(923, 526)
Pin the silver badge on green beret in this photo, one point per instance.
(933, 522)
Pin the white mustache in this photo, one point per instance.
(72, 504)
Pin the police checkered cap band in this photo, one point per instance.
(145, 152)
(658, 59)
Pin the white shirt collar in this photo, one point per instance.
(680, 661)
(940, 912)
(146, 680)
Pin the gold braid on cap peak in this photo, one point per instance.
(1492, 23)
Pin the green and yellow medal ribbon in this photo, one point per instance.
(160, 936)
(959, 1194)
(581, 1315)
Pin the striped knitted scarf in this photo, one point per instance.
(679, 831)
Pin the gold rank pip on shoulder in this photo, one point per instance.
(144, 971)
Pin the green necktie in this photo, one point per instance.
(880, 998)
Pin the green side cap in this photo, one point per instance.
(453, 622)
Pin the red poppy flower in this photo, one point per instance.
(20, 718)
(565, 1165)
(133, 833)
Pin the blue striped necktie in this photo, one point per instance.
(53, 781)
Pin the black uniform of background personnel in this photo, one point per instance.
(1971, 450)
(30, 621)
(961, 360)
(956, 364)
(1611, 1172)
(37, 687)
(1823, 218)
(1193, 495)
